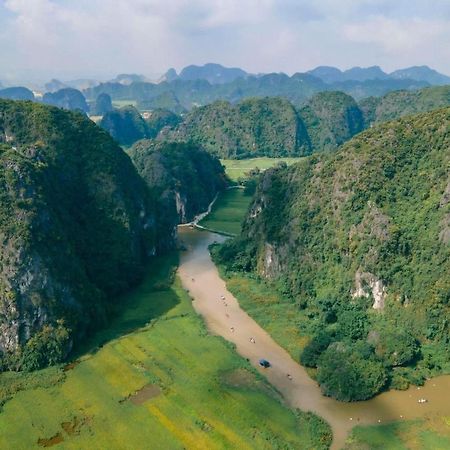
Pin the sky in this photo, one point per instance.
(43, 39)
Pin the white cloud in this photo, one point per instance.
(91, 37)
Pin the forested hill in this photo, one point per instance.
(254, 127)
(360, 240)
(331, 118)
(183, 176)
(401, 103)
(77, 225)
(271, 126)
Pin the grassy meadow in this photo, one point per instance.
(228, 212)
(431, 434)
(238, 168)
(156, 379)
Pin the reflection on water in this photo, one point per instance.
(200, 276)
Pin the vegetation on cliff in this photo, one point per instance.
(77, 225)
(184, 177)
(331, 118)
(359, 241)
(254, 127)
(402, 103)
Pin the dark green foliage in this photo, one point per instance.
(103, 105)
(318, 344)
(348, 375)
(184, 176)
(16, 93)
(401, 103)
(77, 226)
(47, 347)
(67, 98)
(367, 226)
(255, 127)
(331, 118)
(159, 119)
(396, 347)
(125, 125)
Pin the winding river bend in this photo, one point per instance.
(225, 318)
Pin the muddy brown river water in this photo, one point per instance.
(225, 318)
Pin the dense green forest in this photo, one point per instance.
(401, 103)
(272, 126)
(184, 177)
(331, 118)
(77, 225)
(359, 241)
(254, 127)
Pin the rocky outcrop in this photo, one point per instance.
(367, 284)
(77, 225)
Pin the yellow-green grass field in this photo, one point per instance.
(430, 434)
(198, 393)
(228, 212)
(237, 168)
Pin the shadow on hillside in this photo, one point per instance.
(151, 299)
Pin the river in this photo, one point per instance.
(225, 318)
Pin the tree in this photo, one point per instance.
(347, 375)
(311, 353)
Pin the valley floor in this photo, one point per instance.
(154, 378)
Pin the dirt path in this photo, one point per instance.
(224, 317)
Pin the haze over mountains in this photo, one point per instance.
(218, 74)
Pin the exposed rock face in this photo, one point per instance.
(365, 284)
(77, 223)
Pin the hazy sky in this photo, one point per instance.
(66, 39)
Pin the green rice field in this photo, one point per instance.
(154, 379)
(228, 212)
(238, 168)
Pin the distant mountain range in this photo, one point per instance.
(213, 73)
(418, 73)
(218, 74)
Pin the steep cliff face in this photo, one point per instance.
(360, 237)
(373, 212)
(184, 176)
(77, 224)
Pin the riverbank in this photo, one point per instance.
(154, 377)
(225, 318)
